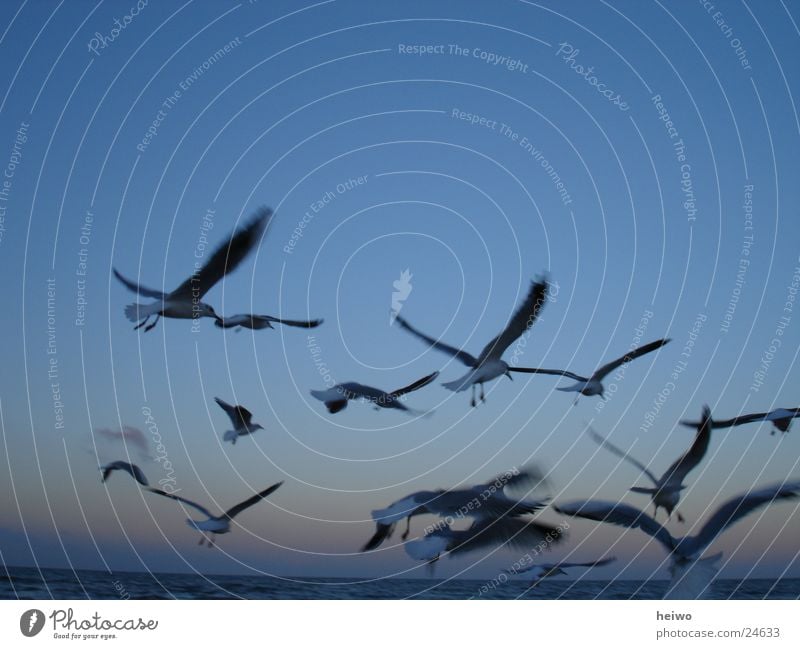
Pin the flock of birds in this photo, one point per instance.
(494, 517)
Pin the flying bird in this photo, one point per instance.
(488, 365)
(487, 500)
(242, 420)
(216, 524)
(544, 570)
(691, 575)
(666, 490)
(336, 398)
(781, 419)
(252, 321)
(592, 385)
(119, 465)
(186, 300)
(517, 533)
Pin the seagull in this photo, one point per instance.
(336, 398)
(119, 465)
(242, 420)
(666, 491)
(216, 524)
(592, 385)
(544, 570)
(781, 419)
(690, 574)
(486, 500)
(185, 301)
(488, 365)
(252, 321)
(518, 533)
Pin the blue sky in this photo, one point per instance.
(330, 103)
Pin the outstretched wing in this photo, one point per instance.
(416, 385)
(226, 257)
(382, 532)
(618, 514)
(538, 370)
(586, 564)
(737, 508)
(185, 501)
(682, 466)
(306, 324)
(132, 469)
(636, 353)
(520, 322)
(468, 359)
(513, 532)
(138, 288)
(240, 416)
(236, 509)
(602, 441)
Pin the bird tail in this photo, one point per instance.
(459, 385)
(136, 312)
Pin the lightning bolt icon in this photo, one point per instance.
(32, 620)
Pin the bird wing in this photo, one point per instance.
(689, 460)
(539, 370)
(640, 351)
(618, 514)
(238, 414)
(528, 476)
(226, 257)
(185, 501)
(515, 532)
(132, 469)
(465, 357)
(306, 324)
(252, 500)
(382, 532)
(737, 508)
(138, 288)
(416, 385)
(522, 320)
(602, 441)
(585, 564)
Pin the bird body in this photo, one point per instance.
(253, 321)
(216, 524)
(242, 420)
(336, 398)
(488, 365)
(666, 490)
(185, 302)
(685, 553)
(590, 386)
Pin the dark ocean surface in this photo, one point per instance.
(48, 583)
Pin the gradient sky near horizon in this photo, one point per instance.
(325, 110)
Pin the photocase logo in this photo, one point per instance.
(402, 289)
(31, 622)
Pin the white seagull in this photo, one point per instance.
(186, 300)
(666, 490)
(544, 570)
(592, 385)
(119, 465)
(781, 419)
(336, 398)
(518, 533)
(216, 524)
(242, 420)
(691, 575)
(253, 321)
(488, 365)
(487, 500)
